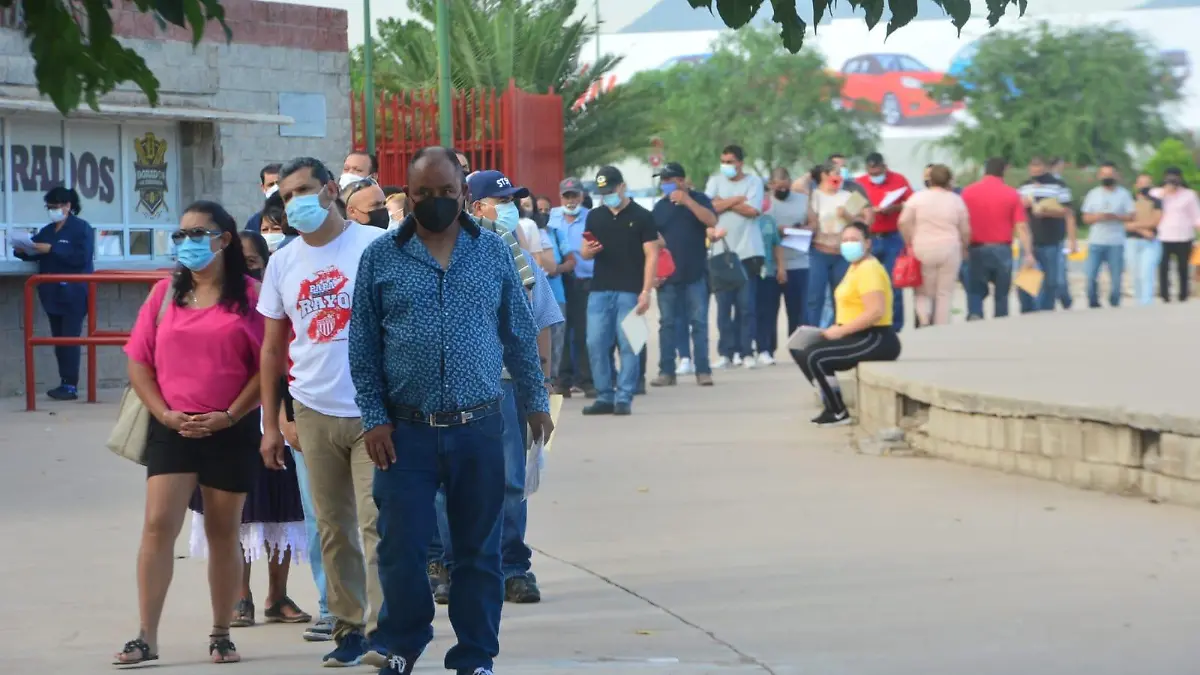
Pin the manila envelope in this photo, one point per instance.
(1030, 280)
(1143, 210)
(856, 203)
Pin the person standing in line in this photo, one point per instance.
(934, 223)
(1142, 247)
(838, 161)
(575, 370)
(878, 183)
(1063, 294)
(366, 203)
(737, 198)
(1107, 208)
(193, 362)
(1051, 221)
(359, 164)
(790, 211)
(827, 217)
(1176, 231)
(65, 246)
(428, 383)
(768, 291)
(684, 218)
(268, 178)
(622, 239)
(995, 212)
(307, 299)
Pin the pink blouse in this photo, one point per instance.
(935, 217)
(202, 358)
(1180, 215)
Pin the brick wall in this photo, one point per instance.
(276, 47)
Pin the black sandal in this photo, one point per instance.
(222, 646)
(138, 645)
(277, 613)
(243, 614)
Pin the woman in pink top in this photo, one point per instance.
(935, 225)
(193, 360)
(1176, 230)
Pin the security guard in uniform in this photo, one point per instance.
(65, 246)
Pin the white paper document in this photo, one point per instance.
(535, 461)
(636, 330)
(556, 401)
(797, 239)
(21, 241)
(891, 197)
(804, 337)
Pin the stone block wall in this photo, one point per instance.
(1093, 455)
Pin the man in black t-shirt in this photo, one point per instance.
(621, 237)
(1051, 218)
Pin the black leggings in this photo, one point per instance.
(821, 361)
(1181, 251)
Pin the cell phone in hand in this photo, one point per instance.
(589, 237)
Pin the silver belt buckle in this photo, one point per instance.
(434, 423)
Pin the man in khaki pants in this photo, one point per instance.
(307, 292)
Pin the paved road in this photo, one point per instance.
(714, 531)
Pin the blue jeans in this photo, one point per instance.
(468, 461)
(795, 298)
(766, 311)
(1064, 288)
(681, 306)
(888, 247)
(735, 317)
(1112, 256)
(1048, 257)
(825, 272)
(1144, 256)
(989, 265)
(605, 312)
(314, 538)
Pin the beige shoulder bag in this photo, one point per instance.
(128, 437)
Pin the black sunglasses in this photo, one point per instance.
(196, 234)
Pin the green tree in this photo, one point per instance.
(1088, 94)
(1173, 153)
(79, 59)
(537, 45)
(778, 106)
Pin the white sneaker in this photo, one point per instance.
(750, 363)
(765, 359)
(737, 359)
(721, 363)
(685, 367)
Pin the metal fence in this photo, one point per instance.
(513, 131)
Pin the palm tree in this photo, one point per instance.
(536, 44)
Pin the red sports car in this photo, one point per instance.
(895, 83)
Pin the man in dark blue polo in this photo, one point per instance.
(439, 311)
(684, 218)
(268, 178)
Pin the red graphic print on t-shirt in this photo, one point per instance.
(324, 304)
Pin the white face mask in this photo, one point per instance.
(270, 191)
(274, 239)
(56, 215)
(349, 179)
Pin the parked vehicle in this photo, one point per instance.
(895, 83)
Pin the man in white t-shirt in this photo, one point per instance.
(738, 200)
(307, 294)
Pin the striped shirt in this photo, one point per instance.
(524, 269)
(546, 312)
(1046, 230)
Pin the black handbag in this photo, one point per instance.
(725, 271)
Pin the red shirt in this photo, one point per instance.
(995, 210)
(885, 222)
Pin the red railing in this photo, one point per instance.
(514, 131)
(93, 338)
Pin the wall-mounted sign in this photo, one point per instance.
(150, 174)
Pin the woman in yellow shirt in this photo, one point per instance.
(862, 330)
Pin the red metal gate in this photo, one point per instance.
(516, 132)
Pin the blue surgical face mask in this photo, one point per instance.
(306, 214)
(878, 180)
(667, 188)
(612, 201)
(853, 251)
(508, 215)
(274, 239)
(728, 170)
(571, 210)
(195, 255)
(845, 173)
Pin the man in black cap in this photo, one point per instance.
(685, 219)
(621, 237)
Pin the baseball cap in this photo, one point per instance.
(485, 184)
(671, 170)
(570, 185)
(607, 179)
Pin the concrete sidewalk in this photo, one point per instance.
(714, 531)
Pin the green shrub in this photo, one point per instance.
(1173, 152)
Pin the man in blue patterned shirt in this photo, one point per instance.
(439, 311)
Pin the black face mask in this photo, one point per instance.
(1173, 182)
(378, 218)
(436, 214)
(1044, 178)
(257, 274)
(928, 183)
(782, 194)
(1108, 182)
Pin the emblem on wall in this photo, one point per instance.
(150, 174)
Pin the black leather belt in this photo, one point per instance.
(445, 419)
